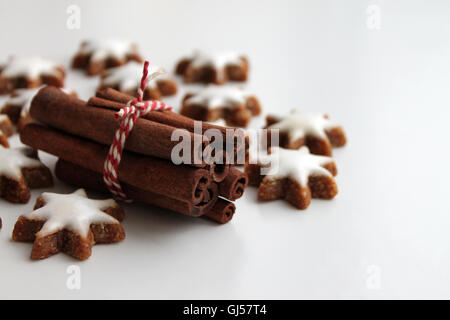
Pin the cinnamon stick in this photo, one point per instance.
(166, 117)
(219, 168)
(184, 183)
(232, 188)
(222, 211)
(79, 176)
(219, 171)
(113, 99)
(57, 109)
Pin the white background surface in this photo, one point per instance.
(389, 88)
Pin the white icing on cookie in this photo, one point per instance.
(218, 96)
(12, 161)
(75, 212)
(3, 118)
(219, 122)
(217, 61)
(32, 67)
(108, 48)
(128, 77)
(297, 164)
(300, 124)
(23, 97)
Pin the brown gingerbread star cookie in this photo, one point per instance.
(17, 106)
(293, 175)
(215, 68)
(20, 171)
(69, 223)
(30, 72)
(3, 140)
(314, 130)
(127, 79)
(6, 129)
(234, 105)
(18, 99)
(96, 56)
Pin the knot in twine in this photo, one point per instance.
(128, 116)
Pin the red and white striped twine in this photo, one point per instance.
(128, 116)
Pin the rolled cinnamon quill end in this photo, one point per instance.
(218, 165)
(222, 212)
(184, 183)
(220, 172)
(232, 188)
(81, 177)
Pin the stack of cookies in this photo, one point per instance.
(220, 99)
(299, 167)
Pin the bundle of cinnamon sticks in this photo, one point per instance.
(79, 133)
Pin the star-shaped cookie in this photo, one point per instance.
(215, 68)
(6, 125)
(18, 100)
(3, 140)
(69, 223)
(294, 175)
(127, 79)
(6, 130)
(314, 130)
(232, 104)
(17, 106)
(20, 171)
(95, 56)
(30, 72)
